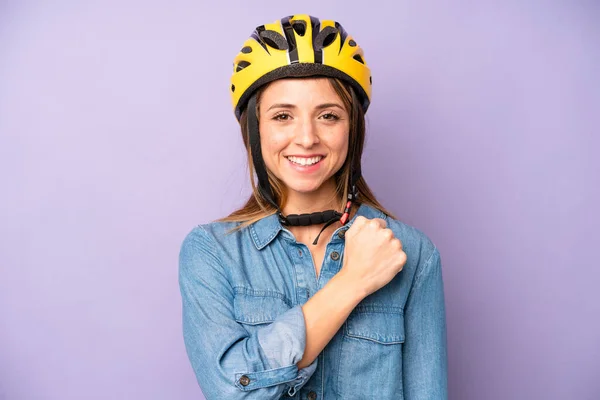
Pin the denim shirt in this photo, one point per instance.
(244, 328)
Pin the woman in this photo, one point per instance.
(312, 290)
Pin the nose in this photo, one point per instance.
(307, 134)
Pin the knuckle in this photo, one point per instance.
(360, 220)
(403, 257)
(388, 233)
(372, 224)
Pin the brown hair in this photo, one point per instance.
(257, 206)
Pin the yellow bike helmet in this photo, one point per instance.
(298, 46)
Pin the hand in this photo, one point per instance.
(372, 255)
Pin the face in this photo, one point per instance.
(304, 130)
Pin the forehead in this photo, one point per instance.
(299, 91)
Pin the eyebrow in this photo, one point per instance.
(319, 107)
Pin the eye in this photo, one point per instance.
(282, 116)
(330, 116)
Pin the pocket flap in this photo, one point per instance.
(258, 309)
(379, 324)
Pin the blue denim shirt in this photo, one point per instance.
(244, 329)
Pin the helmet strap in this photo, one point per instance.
(264, 187)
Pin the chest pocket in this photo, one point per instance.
(371, 348)
(255, 307)
(384, 325)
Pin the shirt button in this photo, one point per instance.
(342, 233)
(335, 256)
(244, 380)
(312, 395)
(300, 252)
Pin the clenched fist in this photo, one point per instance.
(372, 255)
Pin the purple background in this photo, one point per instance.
(117, 137)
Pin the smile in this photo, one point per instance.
(305, 161)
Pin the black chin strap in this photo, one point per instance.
(327, 217)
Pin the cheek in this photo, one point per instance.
(343, 154)
(272, 142)
(340, 146)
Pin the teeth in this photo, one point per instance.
(304, 160)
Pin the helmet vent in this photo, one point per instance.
(246, 49)
(299, 27)
(325, 37)
(241, 65)
(274, 39)
(358, 58)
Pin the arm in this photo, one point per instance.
(228, 361)
(425, 356)
(325, 312)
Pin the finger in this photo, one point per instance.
(376, 224)
(356, 226)
(380, 222)
(360, 221)
(388, 234)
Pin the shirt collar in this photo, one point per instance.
(266, 229)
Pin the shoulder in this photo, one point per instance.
(423, 257)
(206, 242)
(211, 233)
(412, 238)
(420, 249)
(416, 244)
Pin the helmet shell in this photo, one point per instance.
(298, 46)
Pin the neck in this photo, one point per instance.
(324, 198)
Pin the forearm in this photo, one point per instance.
(324, 314)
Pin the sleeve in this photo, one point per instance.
(228, 361)
(425, 354)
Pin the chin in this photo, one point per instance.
(305, 188)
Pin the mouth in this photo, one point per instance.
(305, 161)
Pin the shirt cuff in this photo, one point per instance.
(282, 343)
(303, 376)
